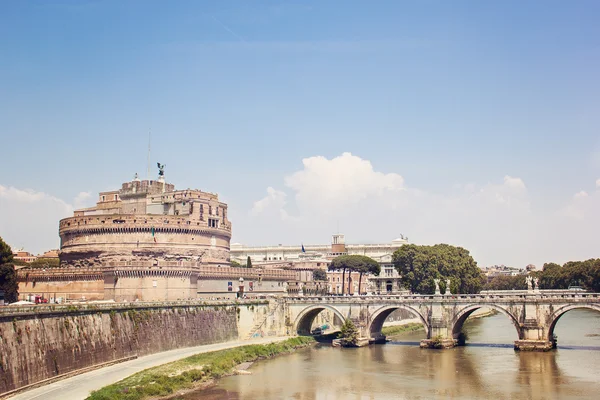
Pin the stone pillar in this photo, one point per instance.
(439, 336)
(534, 339)
(533, 333)
(194, 285)
(110, 281)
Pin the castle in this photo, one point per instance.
(145, 241)
(147, 222)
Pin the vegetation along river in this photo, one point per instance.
(487, 368)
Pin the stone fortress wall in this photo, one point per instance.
(44, 342)
(132, 281)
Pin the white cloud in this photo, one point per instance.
(324, 185)
(496, 221)
(29, 218)
(515, 183)
(82, 200)
(273, 199)
(598, 183)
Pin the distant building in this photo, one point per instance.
(530, 268)
(24, 256)
(388, 281)
(49, 254)
(502, 270)
(314, 254)
(305, 258)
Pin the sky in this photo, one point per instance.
(471, 123)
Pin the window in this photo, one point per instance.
(116, 197)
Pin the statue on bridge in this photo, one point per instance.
(448, 292)
(529, 281)
(536, 285)
(437, 285)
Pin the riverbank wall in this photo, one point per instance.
(41, 343)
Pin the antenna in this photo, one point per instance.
(148, 165)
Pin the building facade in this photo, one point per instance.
(145, 241)
(305, 258)
(314, 254)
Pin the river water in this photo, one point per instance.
(488, 368)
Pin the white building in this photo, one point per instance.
(381, 252)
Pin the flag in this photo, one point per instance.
(304, 251)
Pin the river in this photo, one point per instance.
(488, 368)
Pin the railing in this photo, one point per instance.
(461, 298)
(91, 306)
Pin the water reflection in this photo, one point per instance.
(487, 369)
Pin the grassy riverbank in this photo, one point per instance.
(399, 329)
(416, 326)
(193, 371)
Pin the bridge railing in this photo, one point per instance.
(484, 297)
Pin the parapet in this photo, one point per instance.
(145, 187)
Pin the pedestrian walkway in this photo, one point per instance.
(80, 386)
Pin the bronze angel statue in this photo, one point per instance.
(161, 169)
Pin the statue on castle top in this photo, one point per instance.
(136, 177)
(161, 169)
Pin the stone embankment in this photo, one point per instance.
(40, 343)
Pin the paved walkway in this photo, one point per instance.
(79, 387)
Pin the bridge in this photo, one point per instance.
(50, 341)
(534, 313)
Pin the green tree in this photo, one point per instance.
(235, 264)
(45, 263)
(355, 263)
(349, 333)
(319, 275)
(6, 254)
(420, 265)
(8, 276)
(248, 262)
(504, 282)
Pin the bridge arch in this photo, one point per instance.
(306, 317)
(380, 315)
(558, 313)
(463, 314)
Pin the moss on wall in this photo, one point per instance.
(38, 347)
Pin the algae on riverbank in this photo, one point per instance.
(193, 371)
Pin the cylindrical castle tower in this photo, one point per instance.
(147, 240)
(147, 221)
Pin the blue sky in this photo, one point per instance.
(452, 96)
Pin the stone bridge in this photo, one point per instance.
(534, 314)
